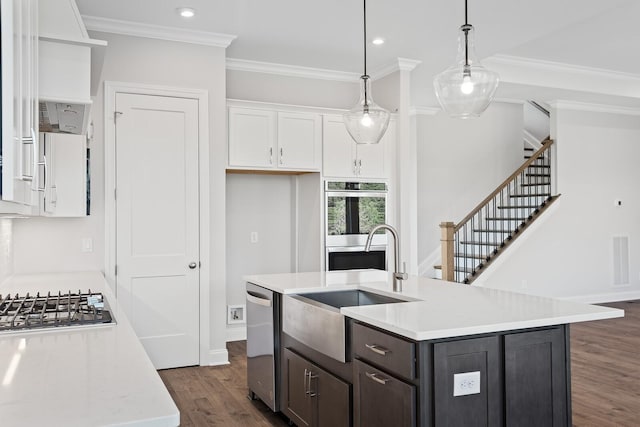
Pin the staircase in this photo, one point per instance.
(472, 244)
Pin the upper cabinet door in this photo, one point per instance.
(19, 95)
(373, 160)
(252, 138)
(299, 141)
(338, 149)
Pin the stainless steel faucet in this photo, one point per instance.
(398, 276)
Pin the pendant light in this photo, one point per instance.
(466, 88)
(366, 122)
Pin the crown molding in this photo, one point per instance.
(424, 111)
(290, 70)
(559, 67)
(138, 29)
(535, 72)
(594, 108)
(398, 64)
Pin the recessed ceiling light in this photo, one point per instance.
(378, 41)
(186, 12)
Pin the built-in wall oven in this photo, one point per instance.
(352, 209)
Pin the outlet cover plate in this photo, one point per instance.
(466, 383)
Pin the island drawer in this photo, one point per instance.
(392, 353)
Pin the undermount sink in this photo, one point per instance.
(314, 319)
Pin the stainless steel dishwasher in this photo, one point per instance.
(263, 343)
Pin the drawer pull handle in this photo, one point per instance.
(377, 349)
(376, 378)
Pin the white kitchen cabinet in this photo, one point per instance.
(252, 138)
(268, 139)
(343, 158)
(19, 104)
(64, 175)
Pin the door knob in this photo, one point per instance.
(192, 265)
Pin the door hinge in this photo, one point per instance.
(115, 270)
(115, 194)
(116, 114)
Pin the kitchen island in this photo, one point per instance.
(446, 354)
(79, 376)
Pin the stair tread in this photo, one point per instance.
(533, 165)
(472, 242)
(492, 231)
(473, 256)
(531, 195)
(502, 218)
(528, 149)
(546, 175)
(537, 184)
(458, 269)
(519, 207)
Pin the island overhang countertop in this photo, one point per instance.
(437, 309)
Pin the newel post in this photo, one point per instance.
(447, 245)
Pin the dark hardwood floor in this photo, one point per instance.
(605, 369)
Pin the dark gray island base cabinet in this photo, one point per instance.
(314, 397)
(389, 380)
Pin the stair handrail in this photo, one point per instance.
(450, 230)
(546, 144)
(539, 108)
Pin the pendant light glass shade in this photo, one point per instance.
(366, 122)
(466, 88)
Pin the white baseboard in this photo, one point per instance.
(603, 298)
(238, 333)
(217, 357)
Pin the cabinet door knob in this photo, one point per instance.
(192, 265)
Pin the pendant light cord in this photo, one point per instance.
(466, 29)
(365, 77)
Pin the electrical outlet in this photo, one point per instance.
(618, 202)
(254, 237)
(236, 314)
(466, 383)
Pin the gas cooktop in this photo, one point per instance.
(46, 311)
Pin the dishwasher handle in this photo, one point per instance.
(256, 298)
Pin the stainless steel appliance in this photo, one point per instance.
(263, 343)
(48, 311)
(352, 210)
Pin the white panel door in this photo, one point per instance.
(157, 224)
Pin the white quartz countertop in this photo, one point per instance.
(435, 308)
(79, 376)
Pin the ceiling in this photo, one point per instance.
(327, 34)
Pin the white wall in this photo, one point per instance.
(132, 59)
(6, 249)
(460, 162)
(278, 89)
(264, 204)
(43, 245)
(570, 254)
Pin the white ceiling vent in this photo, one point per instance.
(620, 260)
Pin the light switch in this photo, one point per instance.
(254, 237)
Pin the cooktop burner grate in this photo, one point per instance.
(70, 309)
